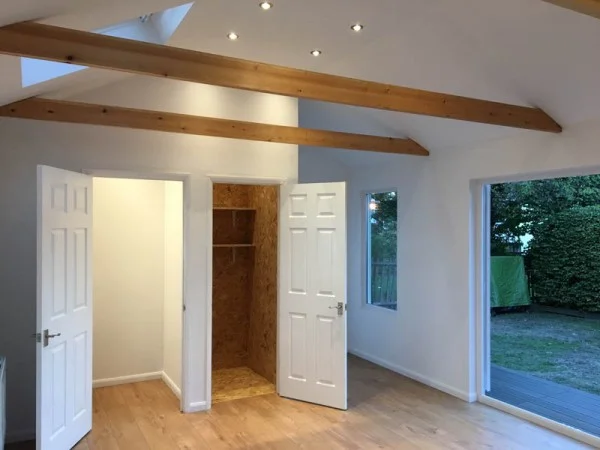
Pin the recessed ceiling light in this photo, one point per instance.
(266, 5)
(233, 36)
(357, 27)
(316, 52)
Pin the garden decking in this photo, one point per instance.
(554, 401)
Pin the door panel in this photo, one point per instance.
(312, 331)
(298, 264)
(298, 362)
(64, 359)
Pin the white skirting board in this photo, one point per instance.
(466, 396)
(105, 382)
(169, 382)
(127, 379)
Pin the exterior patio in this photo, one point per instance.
(554, 401)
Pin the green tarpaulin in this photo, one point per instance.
(508, 282)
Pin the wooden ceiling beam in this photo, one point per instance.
(92, 114)
(588, 7)
(88, 49)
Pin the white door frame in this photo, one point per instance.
(481, 209)
(230, 179)
(480, 242)
(186, 377)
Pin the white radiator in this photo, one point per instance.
(2, 400)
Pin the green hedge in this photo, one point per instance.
(564, 258)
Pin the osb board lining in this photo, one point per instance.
(239, 382)
(262, 335)
(232, 290)
(233, 227)
(231, 195)
(245, 280)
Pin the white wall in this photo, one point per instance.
(138, 276)
(173, 279)
(432, 335)
(25, 144)
(317, 165)
(427, 338)
(129, 277)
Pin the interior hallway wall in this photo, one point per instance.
(129, 277)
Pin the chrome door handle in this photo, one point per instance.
(340, 308)
(46, 337)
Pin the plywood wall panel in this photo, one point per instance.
(245, 285)
(233, 227)
(262, 335)
(232, 290)
(232, 278)
(231, 195)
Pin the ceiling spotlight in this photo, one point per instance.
(357, 27)
(232, 36)
(316, 52)
(266, 5)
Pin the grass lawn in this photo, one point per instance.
(558, 348)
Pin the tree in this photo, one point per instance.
(562, 217)
(564, 257)
(383, 223)
(508, 216)
(518, 208)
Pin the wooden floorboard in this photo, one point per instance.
(386, 411)
(554, 401)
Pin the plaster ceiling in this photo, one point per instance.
(517, 51)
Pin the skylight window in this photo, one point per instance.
(156, 28)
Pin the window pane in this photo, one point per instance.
(382, 216)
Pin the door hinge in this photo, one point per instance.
(183, 308)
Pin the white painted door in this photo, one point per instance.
(312, 329)
(64, 308)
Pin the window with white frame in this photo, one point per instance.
(382, 249)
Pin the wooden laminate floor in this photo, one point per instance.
(386, 411)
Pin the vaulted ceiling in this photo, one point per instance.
(526, 52)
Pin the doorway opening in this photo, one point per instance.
(244, 290)
(543, 306)
(137, 282)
